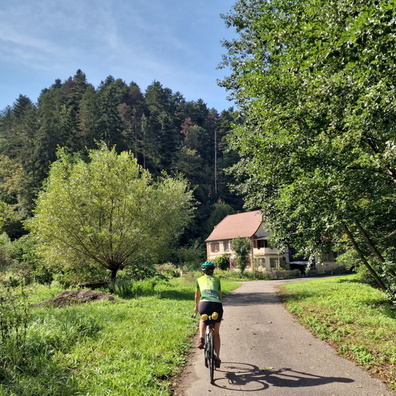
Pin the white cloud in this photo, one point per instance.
(172, 41)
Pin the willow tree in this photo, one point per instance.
(315, 82)
(108, 213)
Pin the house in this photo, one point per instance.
(262, 255)
(245, 225)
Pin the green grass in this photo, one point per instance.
(134, 346)
(355, 318)
(138, 344)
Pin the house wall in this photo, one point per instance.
(326, 267)
(262, 233)
(222, 249)
(269, 258)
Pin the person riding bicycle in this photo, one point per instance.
(208, 299)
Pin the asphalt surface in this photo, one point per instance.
(265, 351)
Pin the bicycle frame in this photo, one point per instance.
(209, 353)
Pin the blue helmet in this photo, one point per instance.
(207, 266)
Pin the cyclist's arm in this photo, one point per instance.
(197, 298)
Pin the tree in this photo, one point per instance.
(108, 212)
(14, 202)
(241, 247)
(315, 81)
(18, 128)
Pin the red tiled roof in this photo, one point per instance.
(237, 225)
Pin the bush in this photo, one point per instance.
(223, 262)
(169, 270)
(139, 272)
(6, 252)
(349, 260)
(28, 263)
(130, 289)
(389, 277)
(256, 275)
(192, 256)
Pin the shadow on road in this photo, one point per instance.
(250, 378)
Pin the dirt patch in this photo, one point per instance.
(75, 297)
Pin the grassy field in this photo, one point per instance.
(137, 345)
(129, 347)
(353, 317)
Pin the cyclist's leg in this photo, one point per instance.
(202, 308)
(202, 328)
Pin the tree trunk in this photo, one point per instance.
(371, 245)
(364, 260)
(113, 279)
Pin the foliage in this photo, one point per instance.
(109, 213)
(241, 247)
(223, 262)
(28, 264)
(169, 270)
(356, 318)
(315, 82)
(6, 252)
(219, 211)
(190, 256)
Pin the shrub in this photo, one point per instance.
(129, 288)
(190, 257)
(223, 262)
(169, 270)
(6, 252)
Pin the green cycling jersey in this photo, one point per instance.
(210, 288)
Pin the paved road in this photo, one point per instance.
(266, 352)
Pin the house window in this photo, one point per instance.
(226, 246)
(274, 262)
(214, 247)
(262, 243)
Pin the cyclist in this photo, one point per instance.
(208, 299)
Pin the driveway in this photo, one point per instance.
(265, 351)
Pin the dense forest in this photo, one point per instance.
(164, 132)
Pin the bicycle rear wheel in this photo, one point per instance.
(210, 356)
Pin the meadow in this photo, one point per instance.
(138, 343)
(356, 319)
(135, 345)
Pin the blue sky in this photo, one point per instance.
(175, 42)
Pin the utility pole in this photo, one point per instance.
(215, 162)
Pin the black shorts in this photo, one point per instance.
(208, 307)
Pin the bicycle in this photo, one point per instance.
(209, 353)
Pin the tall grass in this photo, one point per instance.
(354, 317)
(133, 346)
